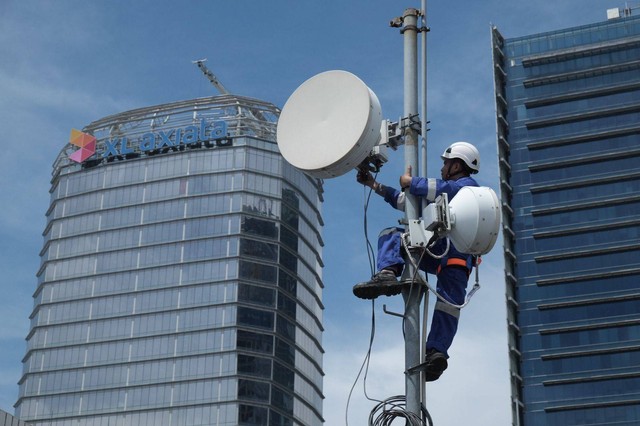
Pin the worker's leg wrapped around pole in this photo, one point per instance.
(452, 285)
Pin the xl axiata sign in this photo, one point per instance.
(207, 134)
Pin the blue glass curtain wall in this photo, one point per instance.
(568, 113)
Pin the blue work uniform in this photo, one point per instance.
(452, 271)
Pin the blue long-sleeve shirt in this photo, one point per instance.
(429, 189)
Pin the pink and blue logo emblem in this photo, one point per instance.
(85, 142)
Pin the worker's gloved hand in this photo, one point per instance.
(365, 178)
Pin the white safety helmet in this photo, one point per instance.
(466, 152)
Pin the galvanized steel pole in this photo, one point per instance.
(423, 159)
(412, 294)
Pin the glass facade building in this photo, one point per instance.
(568, 129)
(7, 419)
(181, 276)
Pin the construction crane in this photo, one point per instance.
(260, 125)
(211, 76)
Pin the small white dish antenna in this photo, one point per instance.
(471, 220)
(329, 125)
(475, 219)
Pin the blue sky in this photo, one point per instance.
(67, 63)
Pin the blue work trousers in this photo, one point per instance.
(451, 285)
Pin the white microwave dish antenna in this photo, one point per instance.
(471, 220)
(475, 217)
(329, 124)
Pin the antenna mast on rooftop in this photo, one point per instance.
(211, 76)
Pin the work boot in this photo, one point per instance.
(382, 283)
(435, 363)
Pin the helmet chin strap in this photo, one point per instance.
(447, 176)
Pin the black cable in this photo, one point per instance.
(372, 266)
(370, 252)
(393, 408)
(367, 358)
(365, 364)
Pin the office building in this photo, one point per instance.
(568, 129)
(7, 419)
(180, 281)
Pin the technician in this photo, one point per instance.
(461, 160)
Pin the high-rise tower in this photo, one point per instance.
(180, 281)
(568, 121)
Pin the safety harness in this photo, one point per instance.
(452, 261)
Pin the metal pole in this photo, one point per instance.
(423, 103)
(412, 294)
(423, 166)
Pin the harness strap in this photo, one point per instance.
(454, 261)
(447, 308)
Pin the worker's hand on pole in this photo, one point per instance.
(405, 179)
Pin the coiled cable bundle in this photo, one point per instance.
(392, 408)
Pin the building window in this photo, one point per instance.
(254, 342)
(285, 352)
(288, 260)
(278, 419)
(282, 400)
(252, 415)
(289, 238)
(259, 227)
(284, 376)
(253, 391)
(287, 282)
(255, 318)
(256, 295)
(258, 249)
(257, 271)
(286, 328)
(254, 366)
(286, 305)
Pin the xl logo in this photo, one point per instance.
(212, 134)
(190, 135)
